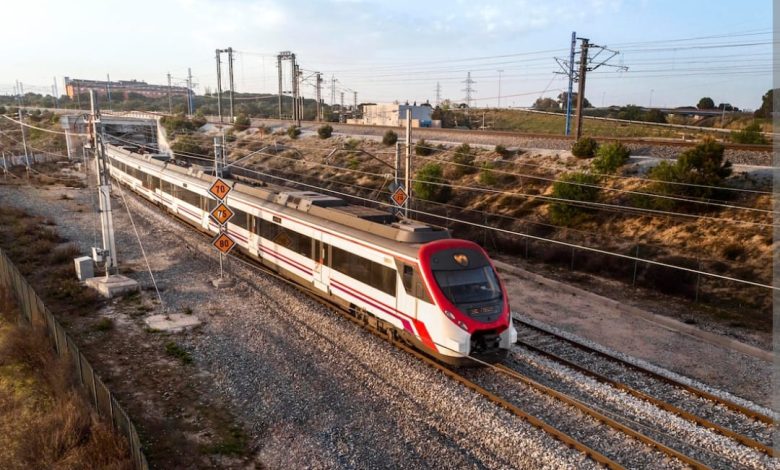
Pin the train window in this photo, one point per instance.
(155, 182)
(166, 187)
(419, 289)
(207, 203)
(267, 229)
(240, 219)
(366, 271)
(406, 277)
(189, 197)
(325, 254)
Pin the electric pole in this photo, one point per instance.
(219, 86)
(232, 88)
(190, 104)
(319, 96)
(438, 93)
(332, 91)
(341, 108)
(499, 87)
(104, 188)
(469, 90)
(170, 99)
(408, 165)
(586, 64)
(279, 68)
(24, 143)
(56, 95)
(354, 105)
(108, 90)
(581, 86)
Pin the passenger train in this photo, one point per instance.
(403, 277)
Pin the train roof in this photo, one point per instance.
(367, 223)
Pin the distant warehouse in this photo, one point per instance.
(394, 114)
(76, 86)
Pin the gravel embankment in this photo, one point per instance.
(313, 390)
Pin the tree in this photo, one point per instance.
(765, 111)
(241, 123)
(464, 160)
(429, 184)
(706, 103)
(562, 100)
(655, 115)
(546, 104)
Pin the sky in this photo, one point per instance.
(675, 51)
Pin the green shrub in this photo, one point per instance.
(352, 144)
(424, 186)
(422, 148)
(749, 135)
(241, 123)
(486, 175)
(501, 150)
(293, 132)
(325, 131)
(390, 138)
(585, 147)
(610, 157)
(174, 350)
(463, 157)
(701, 169)
(578, 187)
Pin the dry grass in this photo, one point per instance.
(45, 422)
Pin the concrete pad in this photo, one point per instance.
(222, 282)
(113, 285)
(173, 323)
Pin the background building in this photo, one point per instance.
(75, 86)
(394, 114)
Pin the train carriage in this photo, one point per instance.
(439, 293)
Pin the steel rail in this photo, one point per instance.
(689, 388)
(655, 401)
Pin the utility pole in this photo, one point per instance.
(108, 90)
(354, 105)
(170, 99)
(279, 68)
(408, 164)
(104, 188)
(232, 88)
(341, 108)
(296, 93)
(190, 104)
(218, 159)
(438, 93)
(332, 92)
(56, 95)
(581, 86)
(499, 87)
(319, 96)
(397, 178)
(586, 64)
(219, 86)
(24, 143)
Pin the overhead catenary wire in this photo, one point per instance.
(511, 232)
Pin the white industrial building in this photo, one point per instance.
(394, 114)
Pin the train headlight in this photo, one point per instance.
(463, 326)
(449, 315)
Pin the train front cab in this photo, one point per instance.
(466, 289)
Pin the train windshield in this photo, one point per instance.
(469, 286)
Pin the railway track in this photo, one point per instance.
(461, 134)
(749, 428)
(603, 435)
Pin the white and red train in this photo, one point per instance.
(403, 277)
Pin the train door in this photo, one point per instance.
(320, 257)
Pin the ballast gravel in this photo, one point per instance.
(312, 389)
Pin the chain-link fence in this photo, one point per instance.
(35, 313)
